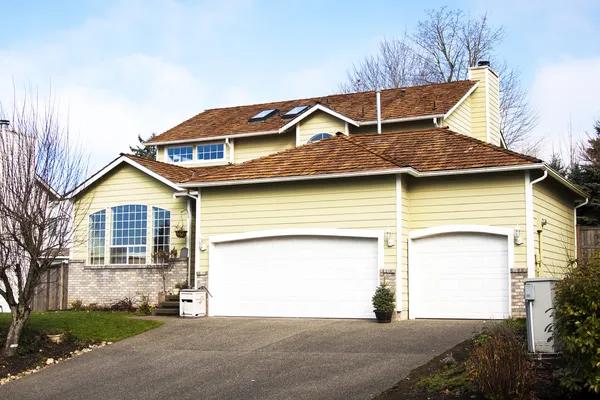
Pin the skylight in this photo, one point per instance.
(263, 115)
(295, 111)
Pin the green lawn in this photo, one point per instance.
(85, 325)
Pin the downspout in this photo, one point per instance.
(539, 261)
(187, 240)
(230, 145)
(575, 225)
(378, 97)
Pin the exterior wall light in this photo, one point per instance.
(518, 238)
(202, 246)
(388, 238)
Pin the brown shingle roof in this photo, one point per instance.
(406, 102)
(174, 173)
(425, 151)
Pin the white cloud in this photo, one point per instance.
(122, 73)
(565, 94)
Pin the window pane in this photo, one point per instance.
(180, 154)
(162, 230)
(96, 236)
(118, 255)
(130, 231)
(211, 151)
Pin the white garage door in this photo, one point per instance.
(294, 276)
(459, 275)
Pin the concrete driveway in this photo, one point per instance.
(248, 358)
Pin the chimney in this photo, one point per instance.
(485, 104)
(378, 101)
(4, 123)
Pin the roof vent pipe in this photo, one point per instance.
(378, 94)
(4, 125)
(483, 63)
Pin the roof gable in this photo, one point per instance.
(163, 172)
(415, 101)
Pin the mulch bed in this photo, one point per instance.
(544, 386)
(36, 352)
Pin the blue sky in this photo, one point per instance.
(119, 68)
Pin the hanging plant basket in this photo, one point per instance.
(181, 233)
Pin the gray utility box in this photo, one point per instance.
(192, 303)
(539, 303)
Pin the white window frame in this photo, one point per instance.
(195, 160)
(126, 247)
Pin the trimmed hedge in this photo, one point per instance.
(577, 325)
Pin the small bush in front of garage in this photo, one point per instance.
(384, 303)
(577, 324)
(498, 364)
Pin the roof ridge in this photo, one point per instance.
(370, 150)
(316, 98)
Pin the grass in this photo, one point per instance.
(450, 378)
(85, 325)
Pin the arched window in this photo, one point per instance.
(96, 238)
(129, 234)
(319, 136)
(162, 230)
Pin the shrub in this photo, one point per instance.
(77, 305)
(577, 325)
(498, 367)
(125, 304)
(145, 307)
(451, 378)
(384, 298)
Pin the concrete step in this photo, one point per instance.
(165, 311)
(170, 304)
(172, 297)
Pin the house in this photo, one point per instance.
(301, 208)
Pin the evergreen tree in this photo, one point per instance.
(557, 164)
(142, 151)
(586, 175)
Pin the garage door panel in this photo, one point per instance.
(294, 276)
(459, 275)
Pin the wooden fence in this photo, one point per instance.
(588, 242)
(51, 291)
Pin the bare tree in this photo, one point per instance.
(396, 65)
(441, 49)
(38, 164)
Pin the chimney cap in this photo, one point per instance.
(483, 63)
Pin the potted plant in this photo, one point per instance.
(384, 302)
(55, 335)
(179, 286)
(180, 231)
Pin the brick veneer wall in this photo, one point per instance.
(105, 284)
(517, 287)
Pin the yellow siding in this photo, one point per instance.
(478, 105)
(403, 278)
(488, 85)
(258, 146)
(553, 203)
(494, 110)
(490, 199)
(460, 120)
(126, 185)
(394, 127)
(319, 122)
(361, 203)
(160, 153)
